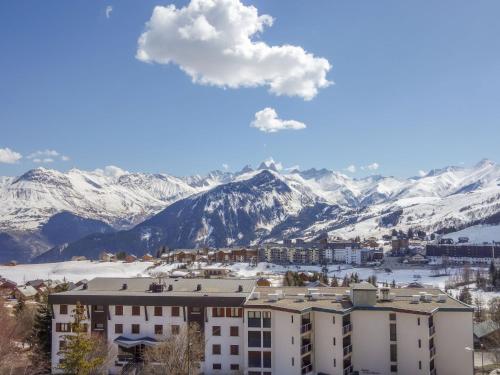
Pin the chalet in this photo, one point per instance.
(78, 258)
(147, 258)
(38, 284)
(107, 257)
(25, 292)
(486, 334)
(131, 258)
(7, 287)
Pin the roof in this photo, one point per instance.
(485, 328)
(363, 286)
(294, 301)
(27, 291)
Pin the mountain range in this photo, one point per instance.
(47, 215)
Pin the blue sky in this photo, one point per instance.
(416, 86)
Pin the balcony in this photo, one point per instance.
(306, 327)
(307, 369)
(348, 370)
(306, 349)
(124, 358)
(432, 330)
(432, 351)
(347, 328)
(347, 350)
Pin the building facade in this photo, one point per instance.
(255, 330)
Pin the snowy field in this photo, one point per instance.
(478, 233)
(75, 271)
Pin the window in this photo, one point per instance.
(292, 340)
(254, 359)
(215, 330)
(333, 319)
(419, 343)
(392, 332)
(158, 311)
(420, 365)
(254, 339)
(63, 309)
(334, 362)
(195, 310)
(234, 331)
(136, 310)
(293, 361)
(175, 311)
(99, 308)
(216, 366)
(158, 329)
(394, 353)
(63, 327)
(266, 359)
(234, 366)
(266, 339)
(218, 312)
(175, 329)
(394, 368)
(62, 345)
(234, 312)
(234, 350)
(392, 316)
(254, 319)
(266, 319)
(334, 341)
(292, 319)
(98, 326)
(118, 310)
(118, 328)
(136, 329)
(418, 321)
(216, 349)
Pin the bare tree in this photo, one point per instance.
(178, 354)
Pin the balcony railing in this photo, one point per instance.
(305, 328)
(347, 328)
(124, 358)
(348, 370)
(347, 350)
(306, 348)
(432, 351)
(307, 369)
(432, 330)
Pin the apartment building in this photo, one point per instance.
(255, 330)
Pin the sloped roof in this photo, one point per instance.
(485, 328)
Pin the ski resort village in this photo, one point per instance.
(249, 187)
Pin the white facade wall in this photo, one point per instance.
(340, 255)
(453, 335)
(328, 349)
(225, 340)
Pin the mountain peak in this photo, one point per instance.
(270, 164)
(484, 163)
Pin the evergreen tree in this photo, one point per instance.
(42, 338)
(334, 282)
(465, 296)
(82, 354)
(345, 281)
(21, 304)
(393, 284)
(492, 273)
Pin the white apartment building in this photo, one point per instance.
(282, 331)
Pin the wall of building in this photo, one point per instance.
(453, 335)
(328, 357)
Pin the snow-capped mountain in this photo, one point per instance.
(249, 206)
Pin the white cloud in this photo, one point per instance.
(373, 166)
(46, 156)
(422, 173)
(213, 41)
(9, 156)
(108, 11)
(351, 168)
(111, 171)
(267, 121)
